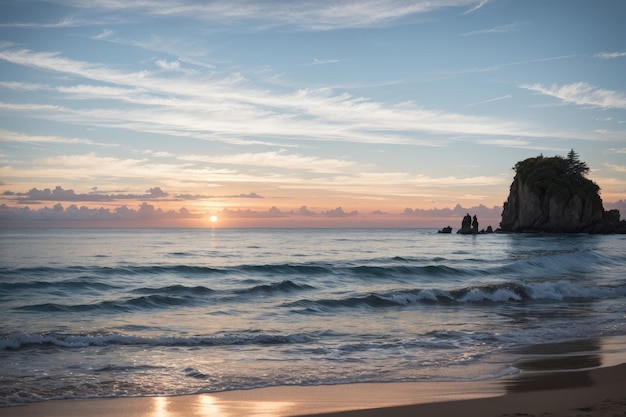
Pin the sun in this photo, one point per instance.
(213, 219)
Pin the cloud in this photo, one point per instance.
(509, 143)
(168, 65)
(507, 96)
(74, 213)
(582, 94)
(228, 109)
(610, 55)
(59, 194)
(251, 15)
(275, 212)
(498, 67)
(9, 136)
(481, 211)
(145, 212)
(512, 27)
(616, 168)
(21, 86)
(478, 6)
(324, 61)
(94, 168)
(105, 34)
(68, 22)
(209, 197)
(618, 205)
(275, 159)
(339, 212)
(29, 107)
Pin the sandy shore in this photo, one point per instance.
(554, 382)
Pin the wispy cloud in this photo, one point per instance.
(512, 27)
(261, 15)
(168, 65)
(616, 168)
(105, 34)
(582, 94)
(491, 100)
(498, 67)
(27, 107)
(324, 61)
(21, 86)
(480, 4)
(228, 108)
(92, 167)
(610, 55)
(276, 159)
(616, 150)
(9, 136)
(68, 22)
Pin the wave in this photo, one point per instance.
(108, 271)
(550, 264)
(282, 286)
(81, 283)
(558, 263)
(21, 340)
(393, 268)
(165, 297)
(497, 293)
(405, 270)
(149, 302)
(179, 290)
(285, 269)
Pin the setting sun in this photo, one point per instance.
(213, 219)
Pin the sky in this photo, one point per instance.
(299, 113)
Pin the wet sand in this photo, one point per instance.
(585, 378)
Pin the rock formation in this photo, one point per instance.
(466, 225)
(552, 195)
(469, 226)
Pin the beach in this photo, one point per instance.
(550, 383)
(589, 393)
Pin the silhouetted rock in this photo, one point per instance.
(552, 195)
(468, 227)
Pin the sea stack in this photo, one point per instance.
(552, 195)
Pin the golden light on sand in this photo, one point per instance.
(213, 219)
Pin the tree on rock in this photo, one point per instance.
(575, 165)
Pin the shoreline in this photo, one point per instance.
(584, 378)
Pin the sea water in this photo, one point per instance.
(137, 312)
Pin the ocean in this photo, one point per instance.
(94, 313)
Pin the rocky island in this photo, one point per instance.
(553, 195)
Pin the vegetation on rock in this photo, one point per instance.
(558, 177)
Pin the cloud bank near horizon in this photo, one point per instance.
(119, 212)
(124, 215)
(146, 213)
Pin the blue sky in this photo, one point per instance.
(301, 112)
